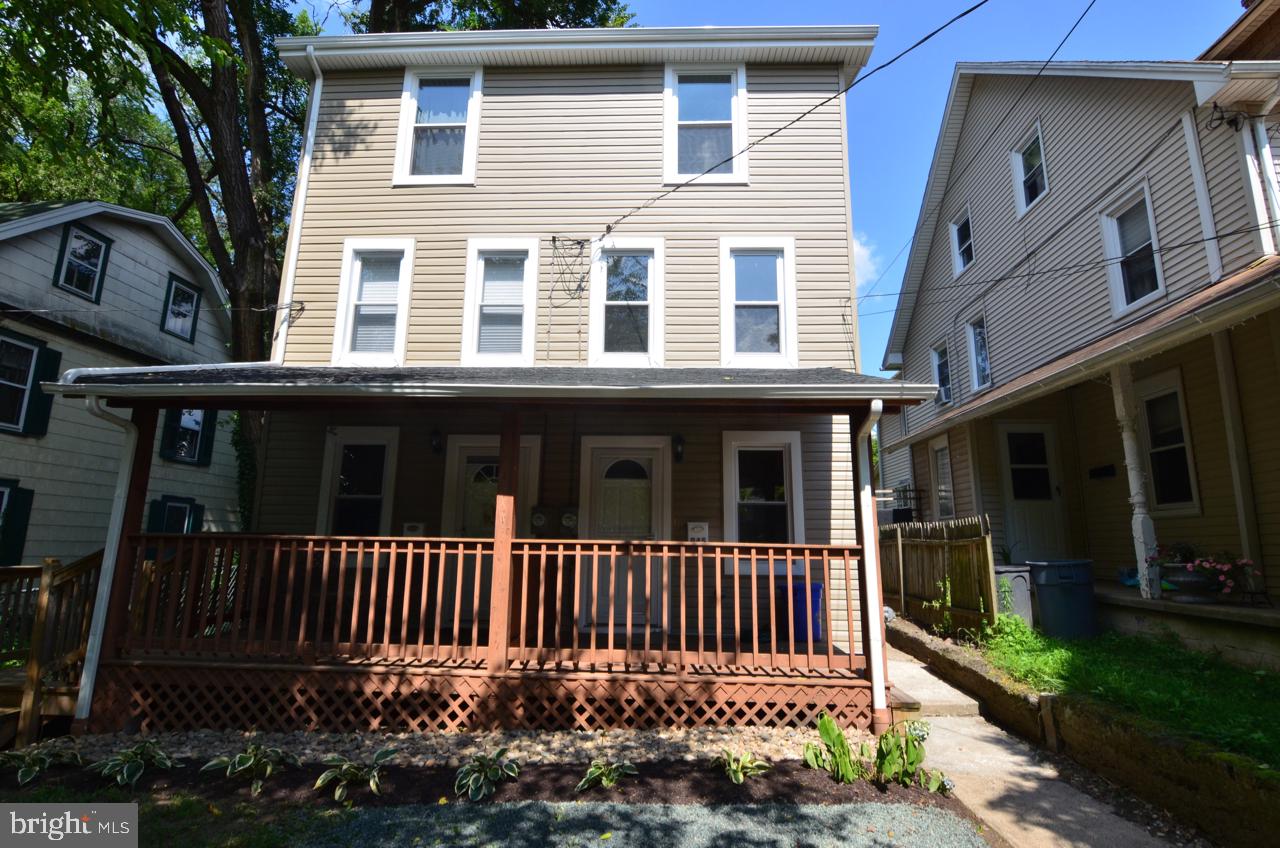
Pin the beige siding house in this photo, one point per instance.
(91, 285)
(1094, 286)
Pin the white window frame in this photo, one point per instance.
(934, 360)
(670, 124)
(334, 440)
(60, 273)
(1111, 248)
(934, 503)
(4, 503)
(596, 354)
(476, 248)
(973, 351)
(789, 441)
(175, 283)
(408, 117)
(958, 265)
(788, 355)
(349, 285)
(458, 447)
(1019, 176)
(1156, 385)
(30, 386)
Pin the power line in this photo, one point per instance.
(609, 228)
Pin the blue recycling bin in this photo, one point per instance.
(803, 613)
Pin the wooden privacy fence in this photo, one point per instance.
(940, 573)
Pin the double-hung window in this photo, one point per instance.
(171, 514)
(944, 502)
(500, 302)
(373, 302)
(1030, 178)
(705, 123)
(961, 243)
(979, 359)
(1167, 438)
(1132, 249)
(358, 479)
(942, 373)
(439, 126)
(82, 262)
(627, 303)
(757, 302)
(24, 363)
(15, 514)
(189, 435)
(763, 489)
(181, 309)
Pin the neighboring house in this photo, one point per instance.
(501, 319)
(1094, 286)
(89, 285)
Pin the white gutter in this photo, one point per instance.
(115, 529)
(283, 311)
(871, 603)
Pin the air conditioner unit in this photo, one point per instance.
(944, 395)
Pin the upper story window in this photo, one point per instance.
(439, 126)
(82, 262)
(1030, 178)
(24, 363)
(942, 373)
(181, 309)
(1129, 237)
(705, 123)
(627, 303)
(373, 302)
(1167, 438)
(961, 243)
(979, 359)
(188, 436)
(758, 302)
(500, 302)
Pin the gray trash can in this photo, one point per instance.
(1064, 598)
(1019, 579)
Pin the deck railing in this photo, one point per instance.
(321, 599)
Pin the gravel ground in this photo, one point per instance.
(450, 749)
(648, 825)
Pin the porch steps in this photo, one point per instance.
(916, 693)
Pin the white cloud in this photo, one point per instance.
(866, 264)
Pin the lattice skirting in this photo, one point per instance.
(164, 697)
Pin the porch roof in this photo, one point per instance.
(262, 380)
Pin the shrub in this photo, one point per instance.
(346, 773)
(480, 777)
(739, 767)
(255, 762)
(31, 762)
(605, 773)
(125, 767)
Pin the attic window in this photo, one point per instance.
(439, 127)
(705, 124)
(181, 308)
(1031, 181)
(961, 243)
(82, 262)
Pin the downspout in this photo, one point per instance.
(284, 306)
(115, 528)
(873, 603)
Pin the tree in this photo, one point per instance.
(425, 15)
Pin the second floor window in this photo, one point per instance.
(627, 303)
(373, 302)
(1031, 179)
(181, 308)
(439, 127)
(757, 302)
(942, 373)
(82, 262)
(961, 243)
(1129, 237)
(705, 124)
(500, 302)
(979, 360)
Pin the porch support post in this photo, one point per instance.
(1237, 446)
(871, 592)
(504, 530)
(1144, 531)
(110, 610)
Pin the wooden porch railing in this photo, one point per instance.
(19, 593)
(670, 604)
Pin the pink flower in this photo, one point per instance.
(1226, 591)
(1190, 567)
(1222, 577)
(1231, 583)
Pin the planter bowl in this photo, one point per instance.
(1191, 587)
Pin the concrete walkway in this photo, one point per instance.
(1002, 779)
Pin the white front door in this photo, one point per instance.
(1034, 516)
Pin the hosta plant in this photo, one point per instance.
(480, 777)
(344, 773)
(605, 773)
(900, 758)
(31, 762)
(256, 762)
(740, 766)
(834, 755)
(125, 767)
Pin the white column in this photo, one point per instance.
(1144, 532)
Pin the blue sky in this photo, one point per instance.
(894, 117)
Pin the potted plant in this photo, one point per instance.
(1199, 579)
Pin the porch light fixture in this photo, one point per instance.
(677, 447)
(437, 442)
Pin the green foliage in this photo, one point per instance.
(125, 767)
(255, 762)
(834, 755)
(740, 766)
(605, 773)
(31, 762)
(1192, 694)
(246, 466)
(422, 15)
(900, 753)
(345, 773)
(1004, 589)
(480, 777)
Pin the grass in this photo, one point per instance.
(1195, 695)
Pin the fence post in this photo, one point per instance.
(32, 697)
(504, 524)
(988, 577)
(902, 578)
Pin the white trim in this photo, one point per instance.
(958, 265)
(1111, 247)
(1208, 228)
(789, 441)
(335, 438)
(476, 248)
(596, 355)
(408, 116)
(944, 394)
(1019, 176)
(527, 497)
(347, 288)
(871, 594)
(661, 481)
(30, 387)
(1158, 385)
(1264, 236)
(935, 443)
(739, 175)
(99, 273)
(973, 352)
(788, 355)
(1270, 188)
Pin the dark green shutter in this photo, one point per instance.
(195, 518)
(208, 437)
(155, 517)
(13, 532)
(39, 405)
(169, 434)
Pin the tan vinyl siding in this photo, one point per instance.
(1256, 347)
(563, 152)
(1227, 179)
